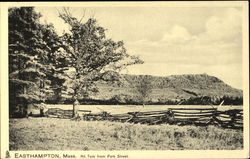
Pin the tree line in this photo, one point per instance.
(123, 99)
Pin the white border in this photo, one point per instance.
(132, 154)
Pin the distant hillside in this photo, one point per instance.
(175, 88)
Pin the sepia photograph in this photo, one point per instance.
(125, 77)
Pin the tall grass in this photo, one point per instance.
(64, 134)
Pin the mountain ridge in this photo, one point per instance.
(168, 88)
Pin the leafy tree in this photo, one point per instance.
(55, 61)
(29, 59)
(91, 56)
(144, 87)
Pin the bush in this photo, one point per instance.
(123, 99)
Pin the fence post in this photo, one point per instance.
(75, 108)
(171, 118)
(233, 116)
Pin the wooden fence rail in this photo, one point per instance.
(180, 116)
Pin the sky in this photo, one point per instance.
(171, 40)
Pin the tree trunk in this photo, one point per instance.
(24, 109)
(41, 112)
(75, 108)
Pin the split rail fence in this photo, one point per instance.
(181, 116)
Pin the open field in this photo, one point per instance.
(119, 109)
(65, 134)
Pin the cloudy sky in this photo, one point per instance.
(172, 40)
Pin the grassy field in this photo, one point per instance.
(65, 134)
